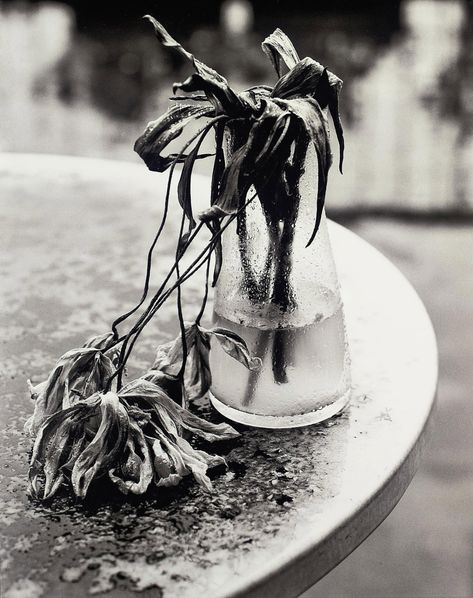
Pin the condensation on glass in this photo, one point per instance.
(283, 298)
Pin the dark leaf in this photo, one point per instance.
(278, 47)
(233, 192)
(300, 81)
(217, 174)
(217, 90)
(264, 152)
(312, 117)
(164, 37)
(184, 185)
(105, 447)
(189, 98)
(310, 78)
(205, 80)
(160, 132)
(236, 347)
(214, 227)
(333, 107)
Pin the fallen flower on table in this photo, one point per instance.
(135, 436)
(77, 374)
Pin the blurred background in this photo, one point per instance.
(83, 78)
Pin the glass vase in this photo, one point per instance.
(283, 298)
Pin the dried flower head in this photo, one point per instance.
(77, 375)
(135, 437)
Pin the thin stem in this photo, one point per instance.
(209, 246)
(137, 326)
(126, 315)
(206, 293)
(161, 300)
(142, 318)
(180, 315)
(158, 300)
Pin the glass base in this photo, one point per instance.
(256, 420)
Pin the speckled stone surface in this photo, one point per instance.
(292, 504)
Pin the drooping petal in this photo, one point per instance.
(57, 443)
(261, 154)
(279, 48)
(160, 132)
(197, 373)
(135, 472)
(142, 392)
(105, 446)
(310, 79)
(170, 383)
(336, 86)
(103, 342)
(178, 469)
(205, 429)
(78, 374)
(205, 79)
(197, 462)
(163, 466)
(182, 459)
(169, 355)
(184, 185)
(312, 117)
(132, 437)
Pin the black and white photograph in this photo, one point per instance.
(236, 315)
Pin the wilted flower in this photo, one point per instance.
(135, 437)
(269, 120)
(77, 375)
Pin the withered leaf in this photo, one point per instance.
(236, 347)
(160, 132)
(279, 48)
(78, 374)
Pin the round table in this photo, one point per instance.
(292, 504)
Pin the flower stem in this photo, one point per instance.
(160, 297)
(126, 315)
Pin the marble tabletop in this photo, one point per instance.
(291, 505)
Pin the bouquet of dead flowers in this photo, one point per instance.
(87, 423)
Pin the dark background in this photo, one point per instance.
(83, 78)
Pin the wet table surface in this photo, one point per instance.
(291, 505)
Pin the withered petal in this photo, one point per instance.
(279, 48)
